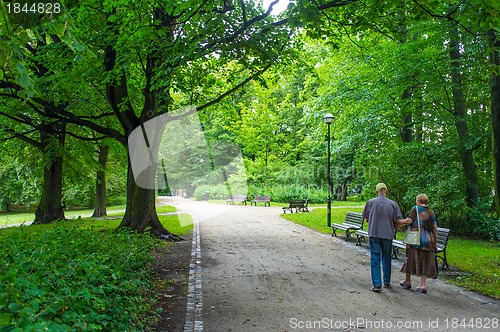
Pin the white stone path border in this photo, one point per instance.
(194, 311)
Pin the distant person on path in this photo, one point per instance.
(383, 216)
(421, 260)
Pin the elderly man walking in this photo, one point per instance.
(383, 216)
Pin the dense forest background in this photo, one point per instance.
(413, 86)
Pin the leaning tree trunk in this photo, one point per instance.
(100, 208)
(50, 206)
(494, 43)
(469, 167)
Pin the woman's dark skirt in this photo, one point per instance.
(420, 262)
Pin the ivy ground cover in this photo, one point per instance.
(77, 275)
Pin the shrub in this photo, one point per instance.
(216, 192)
(483, 222)
(66, 278)
(282, 193)
(491, 228)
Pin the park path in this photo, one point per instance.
(260, 272)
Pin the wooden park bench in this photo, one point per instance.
(443, 234)
(353, 222)
(236, 198)
(261, 199)
(361, 235)
(298, 205)
(396, 246)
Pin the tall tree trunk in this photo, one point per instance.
(419, 130)
(100, 185)
(406, 129)
(494, 43)
(265, 167)
(140, 214)
(50, 206)
(344, 189)
(467, 157)
(338, 192)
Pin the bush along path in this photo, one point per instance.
(87, 275)
(68, 278)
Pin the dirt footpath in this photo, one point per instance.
(260, 272)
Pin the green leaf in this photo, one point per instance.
(24, 37)
(58, 28)
(21, 68)
(78, 47)
(4, 321)
(14, 307)
(3, 57)
(24, 81)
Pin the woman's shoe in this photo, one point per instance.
(405, 285)
(421, 290)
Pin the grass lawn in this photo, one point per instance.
(478, 259)
(117, 210)
(20, 217)
(316, 219)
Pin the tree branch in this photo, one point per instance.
(22, 136)
(50, 110)
(87, 139)
(233, 89)
(448, 16)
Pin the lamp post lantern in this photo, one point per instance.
(328, 118)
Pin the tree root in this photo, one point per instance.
(167, 236)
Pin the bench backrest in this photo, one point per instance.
(297, 203)
(238, 197)
(354, 218)
(443, 234)
(262, 198)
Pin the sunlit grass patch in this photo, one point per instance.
(19, 218)
(165, 209)
(316, 219)
(481, 259)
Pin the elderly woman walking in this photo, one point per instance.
(420, 259)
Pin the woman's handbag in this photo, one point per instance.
(413, 237)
